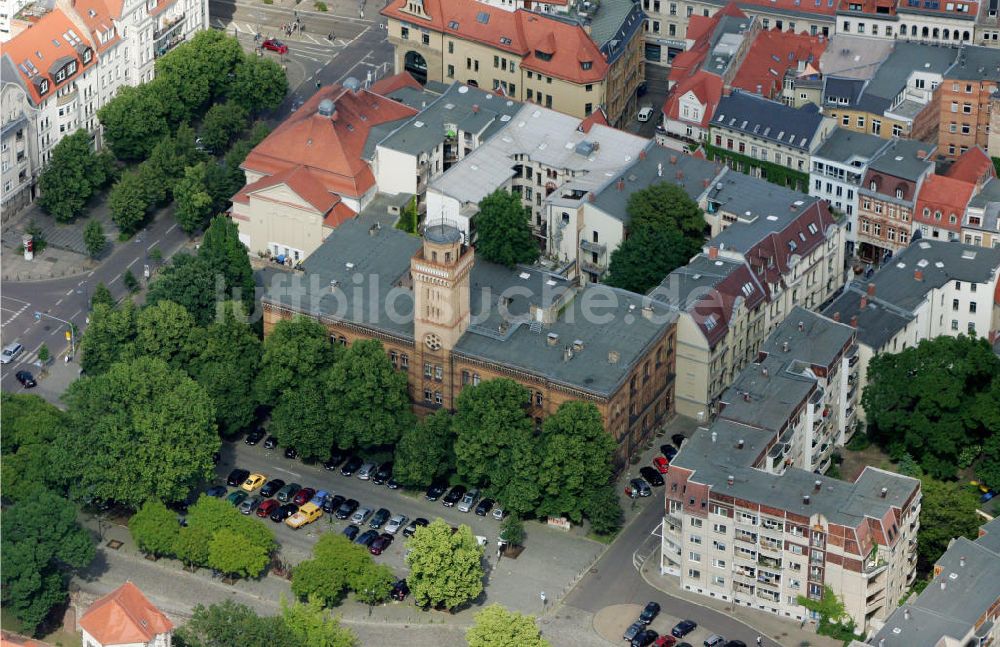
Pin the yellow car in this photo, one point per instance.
(307, 514)
(253, 482)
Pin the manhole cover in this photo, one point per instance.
(114, 544)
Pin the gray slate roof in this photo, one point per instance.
(770, 120)
(771, 208)
(901, 158)
(976, 64)
(844, 146)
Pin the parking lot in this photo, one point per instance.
(612, 622)
(551, 562)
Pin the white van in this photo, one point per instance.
(645, 113)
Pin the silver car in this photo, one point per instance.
(469, 500)
(10, 352)
(398, 521)
(361, 516)
(498, 513)
(367, 471)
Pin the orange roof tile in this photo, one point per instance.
(771, 55)
(596, 117)
(124, 616)
(98, 19)
(338, 215)
(705, 85)
(973, 166)
(330, 147)
(8, 639)
(299, 179)
(944, 195)
(43, 49)
(389, 84)
(824, 7)
(566, 46)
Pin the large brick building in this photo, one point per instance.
(965, 106)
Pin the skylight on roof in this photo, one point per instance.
(969, 255)
(482, 17)
(453, 24)
(922, 263)
(504, 40)
(418, 124)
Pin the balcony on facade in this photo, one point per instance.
(874, 565)
(169, 35)
(853, 355)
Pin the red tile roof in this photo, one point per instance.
(883, 7)
(338, 215)
(945, 195)
(329, 147)
(596, 117)
(40, 51)
(395, 82)
(771, 55)
(8, 639)
(124, 616)
(706, 86)
(97, 17)
(974, 166)
(524, 33)
(301, 181)
(823, 7)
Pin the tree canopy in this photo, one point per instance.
(74, 173)
(260, 85)
(297, 351)
(495, 626)
(425, 452)
(134, 121)
(313, 626)
(222, 125)
(154, 528)
(933, 400)
(194, 202)
(94, 238)
(947, 510)
(504, 230)
(446, 567)
(109, 337)
(31, 427)
(229, 624)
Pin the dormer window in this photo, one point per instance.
(88, 55)
(43, 86)
(874, 185)
(899, 193)
(586, 65)
(61, 75)
(542, 56)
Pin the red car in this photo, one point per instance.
(665, 641)
(304, 496)
(275, 45)
(661, 464)
(266, 508)
(382, 542)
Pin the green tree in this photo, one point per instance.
(833, 618)
(988, 470)
(947, 510)
(297, 351)
(226, 366)
(198, 71)
(172, 155)
(43, 353)
(336, 563)
(576, 455)
(109, 338)
(300, 420)
(494, 444)
(168, 332)
(131, 283)
(229, 624)
(190, 282)
(408, 217)
(667, 204)
(647, 256)
(373, 584)
(260, 85)
(446, 568)
(929, 400)
(311, 625)
(504, 227)
(102, 296)
(130, 201)
(226, 257)
(369, 402)
(191, 545)
(426, 451)
(194, 203)
(134, 121)
(94, 238)
(237, 555)
(41, 543)
(512, 530)
(74, 173)
(154, 528)
(495, 626)
(212, 515)
(141, 430)
(222, 124)
(31, 426)
(603, 510)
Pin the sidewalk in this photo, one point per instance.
(65, 253)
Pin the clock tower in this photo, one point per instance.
(441, 295)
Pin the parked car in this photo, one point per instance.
(287, 493)
(484, 507)
(270, 442)
(396, 523)
(666, 641)
(469, 500)
(361, 515)
(382, 474)
(644, 113)
(291, 453)
(399, 591)
(218, 491)
(254, 437)
(271, 488)
(381, 543)
(419, 522)
(303, 496)
(645, 638)
(735, 643)
(454, 496)
(435, 491)
(638, 487)
(307, 514)
(392, 484)
(379, 518)
(237, 497)
(253, 482)
(633, 630)
(333, 503)
(678, 440)
(499, 513)
(668, 451)
(10, 352)
(715, 640)
(267, 507)
(351, 466)
(346, 509)
(367, 538)
(652, 476)
(285, 511)
(661, 464)
(336, 458)
(26, 379)
(649, 613)
(275, 45)
(236, 477)
(366, 471)
(683, 628)
(250, 505)
(351, 532)
(319, 498)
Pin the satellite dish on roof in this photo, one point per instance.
(352, 84)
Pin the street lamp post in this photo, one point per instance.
(71, 333)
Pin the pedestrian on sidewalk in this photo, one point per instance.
(760, 641)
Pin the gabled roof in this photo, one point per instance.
(124, 616)
(770, 120)
(945, 195)
(300, 180)
(99, 17)
(389, 84)
(974, 166)
(707, 87)
(596, 117)
(771, 55)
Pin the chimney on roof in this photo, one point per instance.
(620, 184)
(961, 561)
(906, 614)
(713, 252)
(730, 480)
(714, 436)
(591, 197)
(784, 346)
(552, 339)
(802, 326)
(763, 371)
(864, 301)
(374, 229)
(760, 89)
(706, 182)
(647, 312)
(884, 492)
(642, 154)
(854, 321)
(922, 154)
(871, 289)
(836, 316)
(746, 396)
(944, 585)
(613, 357)
(475, 107)
(805, 499)
(918, 275)
(817, 485)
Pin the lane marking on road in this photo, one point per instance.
(362, 60)
(350, 42)
(153, 244)
(134, 261)
(73, 316)
(17, 313)
(115, 279)
(282, 469)
(60, 300)
(69, 293)
(15, 299)
(172, 227)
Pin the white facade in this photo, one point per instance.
(19, 154)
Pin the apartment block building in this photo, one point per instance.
(836, 170)
(981, 225)
(746, 524)
(960, 606)
(574, 62)
(930, 289)
(888, 196)
(965, 103)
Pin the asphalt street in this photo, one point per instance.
(69, 298)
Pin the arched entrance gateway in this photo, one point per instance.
(416, 65)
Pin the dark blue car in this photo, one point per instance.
(218, 491)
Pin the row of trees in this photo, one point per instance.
(216, 536)
(74, 174)
(229, 624)
(338, 565)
